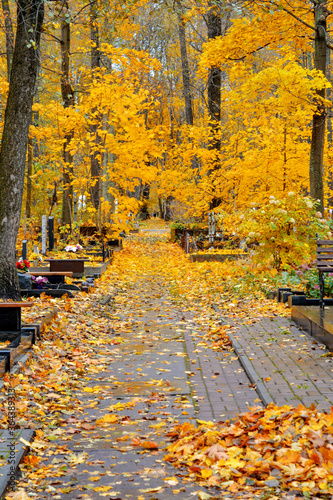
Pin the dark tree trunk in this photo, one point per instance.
(167, 209)
(29, 174)
(185, 71)
(319, 117)
(68, 101)
(33, 152)
(95, 162)
(9, 35)
(214, 30)
(14, 141)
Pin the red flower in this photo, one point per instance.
(23, 266)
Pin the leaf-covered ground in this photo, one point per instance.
(106, 393)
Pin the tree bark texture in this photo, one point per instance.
(185, 71)
(68, 101)
(95, 161)
(14, 141)
(319, 117)
(9, 35)
(214, 30)
(29, 174)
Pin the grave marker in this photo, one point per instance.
(24, 249)
(44, 235)
(211, 227)
(51, 233)
(75, 207)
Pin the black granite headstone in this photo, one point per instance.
(51, 233)
(24, 249)
(10, 319)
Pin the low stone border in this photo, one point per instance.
(88, 270)
(217, 257)
(21, 360)
(13, 448)
(250, 371)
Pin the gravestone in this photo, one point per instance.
(75, 207)
(24, 249)
(25, 281)
(10, 319)
(44, 235)
(51, 233)
(211, 227)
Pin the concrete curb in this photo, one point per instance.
(6, 439)
(248, 366)
(10, 468)
(250, 371)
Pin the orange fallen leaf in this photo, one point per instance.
(150, 445)
(107, 419)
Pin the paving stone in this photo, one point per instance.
(294, 366)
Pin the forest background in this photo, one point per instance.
(130, 95)
(184, 106)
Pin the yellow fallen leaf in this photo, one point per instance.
(172, 481)
(107, 419)
(206, 473)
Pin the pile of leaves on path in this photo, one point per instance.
(282, 448)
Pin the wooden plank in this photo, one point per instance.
(326, 269)
(325, 249)
(84, 259)
(329, 258)
(324, 242)
(16, 304)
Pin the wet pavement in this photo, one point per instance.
(158, 372)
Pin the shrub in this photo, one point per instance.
(281, 232)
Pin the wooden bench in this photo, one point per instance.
(53, 277)
(324, 265)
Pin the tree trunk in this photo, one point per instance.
(214, 30)
(29, 174)
(14, 141)
(95, 162)
(185, 71)
(319, 117)
(68, 101)
(9, 35)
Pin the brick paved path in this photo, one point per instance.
(161, 373)
(292, 366)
